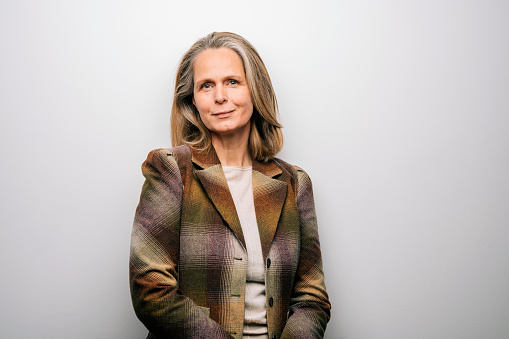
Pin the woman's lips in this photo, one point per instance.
(223, 114)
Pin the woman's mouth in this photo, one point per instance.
(223, 114)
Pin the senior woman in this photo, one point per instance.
(225, 241)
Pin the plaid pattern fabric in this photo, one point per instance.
(188, 259)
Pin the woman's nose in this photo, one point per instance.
(221, 96)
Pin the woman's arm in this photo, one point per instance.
(309, 309)
(156, 298)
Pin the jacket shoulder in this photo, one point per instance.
(296, 171)
(159, 160)
(301, 181)
(158, 154)
(162, 153)
(174, 160)
(301, 173)
(170, 151)
(299, 169)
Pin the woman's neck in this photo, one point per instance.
(232, 151)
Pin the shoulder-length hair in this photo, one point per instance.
(265, 139)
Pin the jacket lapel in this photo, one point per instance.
(212, 178)
(269, 197)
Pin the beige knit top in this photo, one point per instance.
(241, 187)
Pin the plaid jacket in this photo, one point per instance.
(188, 255)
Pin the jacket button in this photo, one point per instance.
(271, 301)
(268, 262)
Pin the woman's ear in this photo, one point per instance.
(194, 103)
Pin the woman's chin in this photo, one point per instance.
(227, 130)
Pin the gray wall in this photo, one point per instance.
(399, 111)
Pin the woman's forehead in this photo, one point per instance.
(218, 61)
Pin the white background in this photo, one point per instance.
(398, 110)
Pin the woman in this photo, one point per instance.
(225, 242)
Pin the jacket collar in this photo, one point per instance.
(208, 159)
(270, 188)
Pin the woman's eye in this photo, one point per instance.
(205, 86)
(233, 82)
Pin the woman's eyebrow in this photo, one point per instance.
(207, 79)
(203, 80)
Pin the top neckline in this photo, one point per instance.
(241, 168)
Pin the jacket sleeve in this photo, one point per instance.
(153, 269)
(309, 309)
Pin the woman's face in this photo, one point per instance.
(221, 94)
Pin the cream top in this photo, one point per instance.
(240, 183)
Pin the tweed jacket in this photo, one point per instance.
(188, 257)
